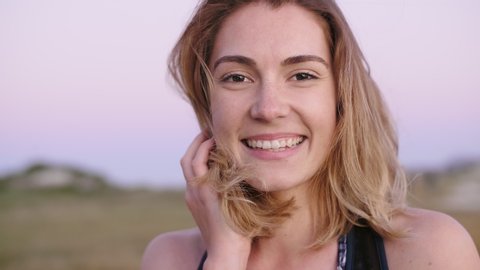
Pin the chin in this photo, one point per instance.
(274, 183)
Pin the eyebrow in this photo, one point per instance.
(289, 61)
(304, 58)
(236, 59)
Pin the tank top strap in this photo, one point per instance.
(365, 250)
(202, 261)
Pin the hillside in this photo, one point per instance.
(45, 176)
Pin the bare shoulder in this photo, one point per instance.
(433, 241)
(174, 250)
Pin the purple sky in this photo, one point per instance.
(84, 82)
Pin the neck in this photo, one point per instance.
(295, 233)
(288, 247)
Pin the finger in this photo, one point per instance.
(187, 158)
(200, 160)
(198, 194)
(192, 148)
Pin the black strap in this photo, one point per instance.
(365, 250)
(204, 258)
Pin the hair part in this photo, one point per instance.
(361, 178)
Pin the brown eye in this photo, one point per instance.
(236, 78)
(304, 76)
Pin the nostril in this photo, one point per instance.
(270, 102)
(269, 109)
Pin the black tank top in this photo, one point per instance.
(364, 251)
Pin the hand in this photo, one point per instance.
(226, 248)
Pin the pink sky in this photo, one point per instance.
(84, 82)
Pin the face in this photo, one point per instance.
(273, 103)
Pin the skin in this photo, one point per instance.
(288, 92)
(263, 95)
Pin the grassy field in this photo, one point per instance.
(65, 230)
(100, 230)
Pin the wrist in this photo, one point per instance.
(231, 256)
(231, 262)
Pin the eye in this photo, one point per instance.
(235, 78)
(303, 76)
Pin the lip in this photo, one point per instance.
(263, 154)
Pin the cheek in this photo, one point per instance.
(225, 117)
(319, 111)
(328, 124)
(219, 129)
(218, 120)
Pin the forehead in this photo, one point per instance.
(258, 30)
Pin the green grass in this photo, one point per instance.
(103, 230)
(65, 230)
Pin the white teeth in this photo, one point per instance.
(276, 145)
(266, 145)
(290, 142)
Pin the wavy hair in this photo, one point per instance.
(360, 179)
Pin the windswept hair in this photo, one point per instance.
(360, 179)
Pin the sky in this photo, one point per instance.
(84, 83)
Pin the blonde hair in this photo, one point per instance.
(360, 179)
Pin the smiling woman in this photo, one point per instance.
(297, 165)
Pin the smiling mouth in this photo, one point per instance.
(274, 145)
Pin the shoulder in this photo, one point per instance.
(174, 250)
(433, 240)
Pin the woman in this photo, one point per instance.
(297, 165)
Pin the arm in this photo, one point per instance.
(184, 249)
(226, 249)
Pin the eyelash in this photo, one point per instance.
(231, 78)
(306, 76)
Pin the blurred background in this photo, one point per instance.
(92, 128)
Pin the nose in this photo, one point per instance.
(269, 104)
